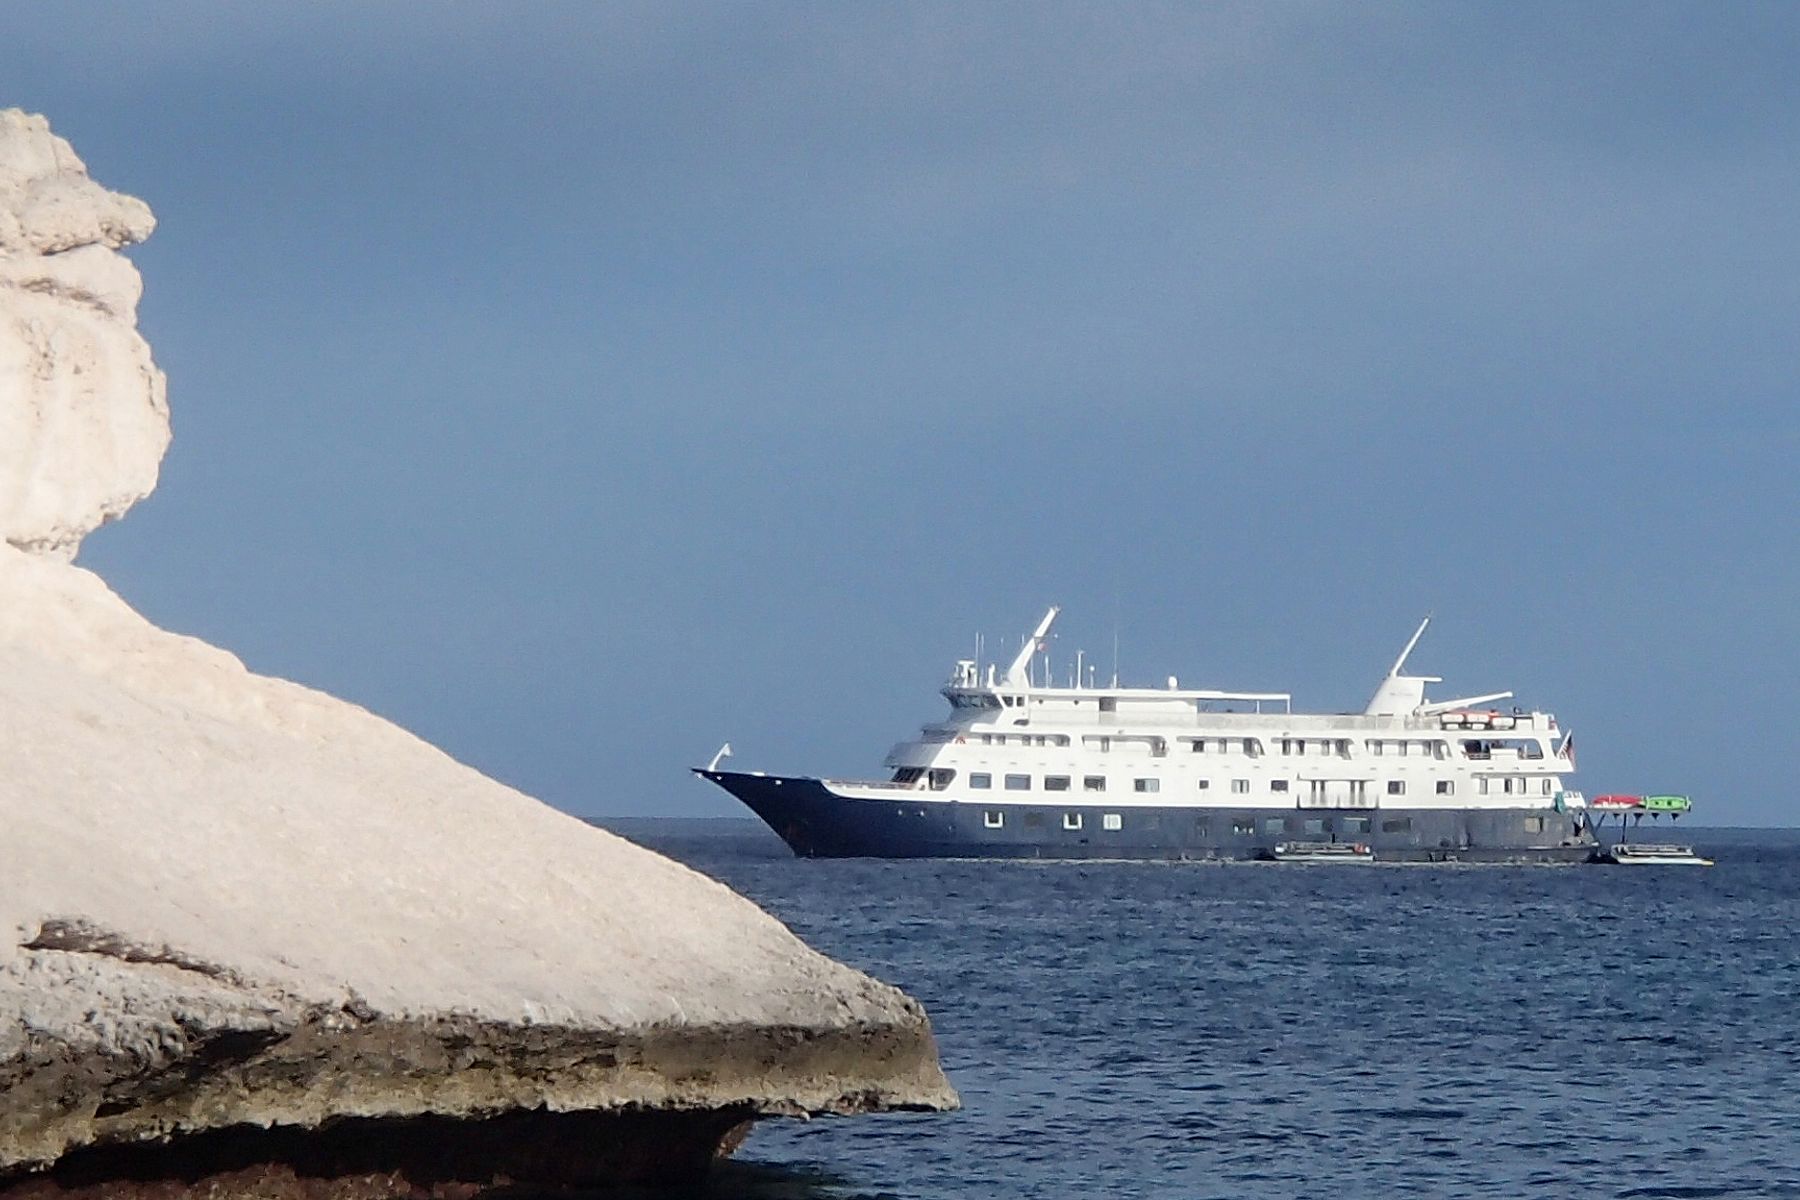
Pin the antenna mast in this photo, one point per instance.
(1019, 673)
(1115, 675)
(1400, 663)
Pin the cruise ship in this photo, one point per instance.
(1023, 769)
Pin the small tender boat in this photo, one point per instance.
(1635, 854)
(1673, 805)
(1469, 718)
(1616, 803)
(1323, 852)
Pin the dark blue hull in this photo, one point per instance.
(816, 822)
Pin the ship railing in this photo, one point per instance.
(1483, 722)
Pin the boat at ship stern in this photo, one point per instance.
(1023, 768)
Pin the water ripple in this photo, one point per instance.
(1135, 1030)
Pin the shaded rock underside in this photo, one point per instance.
(222, 1084)
(416, 1158)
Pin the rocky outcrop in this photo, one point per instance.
(255, 936)
(83, 419)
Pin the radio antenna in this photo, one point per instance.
(1115, 677)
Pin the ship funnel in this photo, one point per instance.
(1400, 695)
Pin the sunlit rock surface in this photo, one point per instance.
(83, 419)
(256, 936)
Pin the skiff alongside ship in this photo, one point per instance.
(1021, 768)
(1651, 854)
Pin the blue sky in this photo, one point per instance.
(582, 386)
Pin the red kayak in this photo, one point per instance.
(1616, 802)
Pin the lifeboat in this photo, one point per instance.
(1673, 805)
(1472, 718)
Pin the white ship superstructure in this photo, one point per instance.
(1008, 742)
(1178, 772)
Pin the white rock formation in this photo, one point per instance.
(229, 901)
(84, 421)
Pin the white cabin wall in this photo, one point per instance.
(1150, 736)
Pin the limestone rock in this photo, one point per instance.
(227, 900)
(257, 936)
(83, 416)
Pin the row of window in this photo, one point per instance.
(995, 818)
(1376, 747)
(1024, 739)
(937, 778)
(982, 780)
(1512, 785)
(1251, 747)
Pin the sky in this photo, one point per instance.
(585, 385)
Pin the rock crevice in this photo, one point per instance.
(73, 935)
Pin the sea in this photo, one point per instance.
(1281, 1030)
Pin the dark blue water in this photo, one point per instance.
(1249, 1030)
